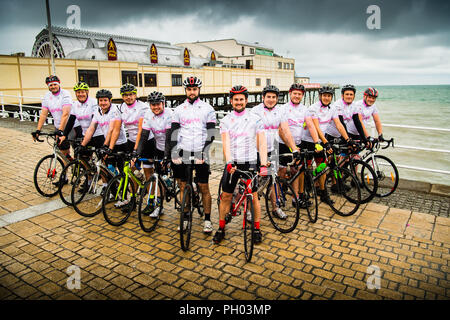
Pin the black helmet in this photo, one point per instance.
(297, 86)
(51, 79)
(271, 88)
(348, 87)
(103, 93)
(156, 97)
(192, 82)
(371, 92)
(128, 88)
(238, 90)
(326, 89)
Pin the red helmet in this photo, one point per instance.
(371, 92)
(238, 90)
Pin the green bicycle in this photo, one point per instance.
(119, 199)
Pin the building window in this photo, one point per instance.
(176, 80)
(280, 65)
(252, 50)
(89, 76)
(243, 50)
(140, 79)
(292, 66)
(130, 77)
(258, 82)
(150, 79)
(267, 82)
(248, 64)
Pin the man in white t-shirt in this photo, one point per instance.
(242, 135)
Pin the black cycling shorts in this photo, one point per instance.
(229, 186)
(202, 171)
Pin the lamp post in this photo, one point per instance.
(50, 35)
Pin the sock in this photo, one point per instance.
(222, 224)
(207, 216)
(256, 224)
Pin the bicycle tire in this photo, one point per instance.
(50, 179)
(65, 189)
(147, 223)
(347, 198)
(248, 226)
(286, 200)
(367, 179)
(185, 234)
(386, 186)
(310, 194)
(89, 202)
(116, 190)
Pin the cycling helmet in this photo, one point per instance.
(128, 88)
(326, 89)
(51, 79)
(81, 86)
(348, 87)
(271, 88)
(371, 92)
(297, 86)
(104, 93)
(156, 97)
(192, 82)
(238, 90)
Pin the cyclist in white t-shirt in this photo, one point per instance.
(58, 102)
(192, 133)
(242, 135)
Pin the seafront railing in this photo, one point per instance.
(25, 115)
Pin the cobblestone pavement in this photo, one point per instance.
(330, 259)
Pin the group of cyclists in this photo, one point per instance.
(250, 137)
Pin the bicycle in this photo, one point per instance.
(119, 198)
(150, 200)
(345, 193)
(243, 195)
(191, 191)
(87, 194)
(367, 179)
(387, 178)
(70, 174)
(48, 170)
(309, 188)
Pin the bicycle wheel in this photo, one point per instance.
(69, 176)
(47, 174)
(387, 175)
(284, 198)
(118, 200)
(346, 195)
(87, 193)
(186, 218)
(368, 181)
(148, 203)
(310, 195)
(249, 228)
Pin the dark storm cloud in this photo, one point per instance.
(398, 18)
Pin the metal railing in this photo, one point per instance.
(24, 115)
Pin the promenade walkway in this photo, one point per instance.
(332, 259)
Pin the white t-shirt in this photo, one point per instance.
(193, 119)
(55, 103)
(295, 116)
(345, 110)
(324, 114)
(158, 125)
(131, 115)
(84, 113)
(360, 107)
(271, 120)
(104, 121)
(242, 129)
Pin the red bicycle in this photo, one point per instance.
(242, 195)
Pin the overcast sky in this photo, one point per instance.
(329, 40)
